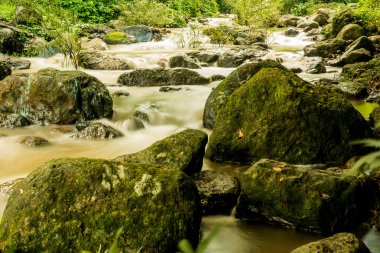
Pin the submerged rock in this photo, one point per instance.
(33, 141)
(278, 115)
(162, 77)
(73, 204)
(218, 191)
(183, 151)
(303, 198)
(342, 242)
(99, 61)
(183, 61)
(236, 56)
(220, 94)
(146, 112)
(291, 32)
(51, 96)
(97, 131)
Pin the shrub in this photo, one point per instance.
(7, 10)
(220, 35)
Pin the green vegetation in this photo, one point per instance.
(7, 10)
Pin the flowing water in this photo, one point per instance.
(173, 111)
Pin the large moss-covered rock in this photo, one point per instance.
(183, 151)
(351, 32)
(51, 96)
(342, 242)
(220, 94)
(99, 61)
(278, 115)
(341, 19)
(115, 38)
(303, 197)
(70, 205)
(162, 77)
(326, 49)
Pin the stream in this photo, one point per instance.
(173, 112)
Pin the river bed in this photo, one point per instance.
(174, 112)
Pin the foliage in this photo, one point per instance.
(7, 10)
(93, 11)
(193, 40)
(220, 35)
(256, 12)
(195, 37)
(370, 11)
(193, 8)
(186, 247)
(369, 162)
(151, 13)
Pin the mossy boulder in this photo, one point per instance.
(51, 96)
(162, 77)
(303, 197)
(5, 70)
(33, 141)
(27, 16)
(70, 205)
(115, 38)
(183, 151)
(351, 32)
(97, 131)
(278, 115)
(220, 94)
(342, 242)
(99, 61)
(341, 19)
(326, 49)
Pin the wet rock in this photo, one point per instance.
(326, 49)
(315, 66)
(318, 18)
(218, 191)
(81, 203)
(36, 46)
(296, 70)
(62, 130)
(16, 63)
(353, 89)
(121, 93)
(183, 151)
(162, 77)
(142, 33)
(81, 125)
(95, 44)
(99, 61)
(33, 141)
(135, 124)
(27, 16)
(361, 50)
(351, 32)
(291, 32)
(275, 115)
(51, 96)
(146, 112)
(97, 131)
(236, 56)
(288, 20)
(7, 187)
(5, 70)
(308, 25)
(247, 36)
(9, 41)
(220, 94)
(342, 242)
(183, 61)
(303, 198)
(214, 78)
(116, 38)
(315, 32)
(341, 19)
(169, 89)
(204, 56)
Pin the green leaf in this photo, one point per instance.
(185, 246)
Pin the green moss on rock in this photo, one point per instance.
(303, 197)
(183, 151)
(116, 38)
(69, 205)
(220, 94)
(51, 96)
(278, 115)
(342, 242)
